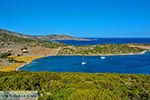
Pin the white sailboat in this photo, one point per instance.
(83, 62)
(103, 57)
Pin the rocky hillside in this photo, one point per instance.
(41, 37)
(16, 42)
(14, 45)
(15, 34)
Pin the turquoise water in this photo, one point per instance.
(113, 64)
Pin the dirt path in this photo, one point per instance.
(40, 51)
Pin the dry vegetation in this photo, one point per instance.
(106, 49)
(16, 51)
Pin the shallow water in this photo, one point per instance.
(113, 64)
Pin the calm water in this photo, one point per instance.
(107, 41)
(113, 64)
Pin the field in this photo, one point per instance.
(78, 86)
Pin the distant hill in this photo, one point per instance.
(41, 37)
(58, 37)
(16, 34)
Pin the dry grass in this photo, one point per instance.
(21, 61)
(140, 46)
(41, 51)
(35, 53)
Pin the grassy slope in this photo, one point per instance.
(100, 49)
(5, 38)
(79, 86)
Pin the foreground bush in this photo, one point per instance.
(79, 86)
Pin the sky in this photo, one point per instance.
(81, 18)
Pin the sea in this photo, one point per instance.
(93, 41)
(126, 64)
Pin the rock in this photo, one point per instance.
(19, 54)
(9, 50)
(24, 51)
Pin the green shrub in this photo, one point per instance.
(78, 86)
(5, 55)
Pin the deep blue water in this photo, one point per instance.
(107, 41)
(113, 64)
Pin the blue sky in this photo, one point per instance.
(82, 18)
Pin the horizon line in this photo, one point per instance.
(22, 33)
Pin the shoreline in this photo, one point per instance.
(18, 68)
(21, 61)
(143, 52)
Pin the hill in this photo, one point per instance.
(9, 39)
(17, 49)
(58, 37)
(16, 34)
(103, 49)
(41, 37)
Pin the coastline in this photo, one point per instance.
(21, 61)
(38, 57)
(143, 52)
(18, 68)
